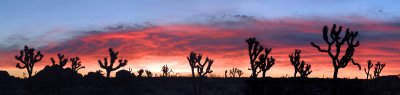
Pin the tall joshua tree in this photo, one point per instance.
(254, 50)
(166, 71)
(76, 64)
(334, 47)
(192, 58)
(295, 60)
(378, 69)
(28, 58)
(299, 66)
(370, 65)
(265, 63)
(195, 63)
(109, 66)
(62, 60)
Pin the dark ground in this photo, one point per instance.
(209, 86)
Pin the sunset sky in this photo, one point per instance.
(152, 33)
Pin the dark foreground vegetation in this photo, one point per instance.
(210, 86)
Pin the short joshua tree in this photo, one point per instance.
(378, 69)
(166, 71)
(299, 65)
(76, 64)
(370, 65)
(109, 65)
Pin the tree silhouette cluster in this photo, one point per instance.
(235, 71)
(340, 48)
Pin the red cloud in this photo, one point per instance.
(155, 46)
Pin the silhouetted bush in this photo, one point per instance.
(148, 73)
(140, 72)
(335, 42)
(98, 75)
(124, 74)
(55, 73)
(4, 75)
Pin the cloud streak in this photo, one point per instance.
(224, 40)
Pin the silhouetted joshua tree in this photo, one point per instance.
(304, 69)
(232, 72)
(140, 72)
(295, 60)
(370, 65)
(378, 69)
(166, 71)
(254, 50)
(298, 65)
(240, 73)
(265, 63)
(235, 71)
(28, 58)
(109, 66)
(202, 71)
(334, 44)
(76, 64)
(62, 60)
(148, 73)
(195, 62)
(226, 73)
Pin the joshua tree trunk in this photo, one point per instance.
(194, 82)
(263, 74)
(335, 73)
(108, 74)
